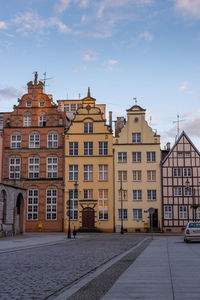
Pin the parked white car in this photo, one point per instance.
(192, 232)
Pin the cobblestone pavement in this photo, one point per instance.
(39, 272)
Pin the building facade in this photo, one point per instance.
(137, 174)
(180, 185)
(89, 163)
(33, 157)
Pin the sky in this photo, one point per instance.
(121, 49)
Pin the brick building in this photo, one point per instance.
(33, 157)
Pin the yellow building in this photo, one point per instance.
(137, 175)
(89, 162)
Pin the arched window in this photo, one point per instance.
(42, 120)
(16, 140)
(27, 120)
(52, 167)
(52, 140)
(34, 140)
(34, 167)
(32, 207)
(51, 204)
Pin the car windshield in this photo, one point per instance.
(194, 225)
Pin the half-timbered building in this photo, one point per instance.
(180, 185)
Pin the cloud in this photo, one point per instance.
(11, 93)
(79, 69)
(32, 22)
(146, 36)
(90, 55)
(62, 5)
(3, 25)
(110, 64)
(84, 3)
(183, 86)
(188, 8)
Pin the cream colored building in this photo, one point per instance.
(89, 162)
(137, 174)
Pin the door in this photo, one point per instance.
(88, 217)
(154, 219)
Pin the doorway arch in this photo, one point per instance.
(19, 214)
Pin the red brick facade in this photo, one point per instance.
(33, 157)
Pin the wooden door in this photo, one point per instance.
(88, 217)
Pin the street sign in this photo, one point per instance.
(145, 211)
(151, 210)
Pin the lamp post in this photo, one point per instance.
(69, 211)
(121, 193)
(194, 205)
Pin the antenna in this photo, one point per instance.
(178, 125)
(135, 99)
(45, 79)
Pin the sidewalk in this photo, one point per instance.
(167, 269)
(30, 240)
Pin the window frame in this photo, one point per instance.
(136, 137)
(123, 214)
(88, 172)
(138, 216)
(168, 212)
(52, 197)
(53, 143)
(73, 172)
(17, 168)
(103, 148)
(17, 144)
(122, 157)
(35, 167)
(72, 207)
(183, 214)
(35, 143)
(88, 148)
(103, 174)
(138, 157)
(151, 195)
(137, 195)
(52, 167)
(103, 203)
(88, 127)
(34, 199)
(73, 148)
(151, 156)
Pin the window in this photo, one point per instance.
(188, 191)
(103, 172)
(123, 214)
(103, 204)
(73, 148)
(16, 140)
(177, 172)
(42, 104)
(122, 175)
(88, 148)
(137, 175)
(52, 167)
(33, 204)
(187, 154)
(151, 156)
(28, 103)
(34, 140)
(88, 194)
(187, 172)
(73, 172)
(177, 191)
(42, 121)
(168, 212)
(72, 204)
(51, 204)
(66, 107)
(79, 105)
(103, 148)
(122, 157)
(53, 140)
(1, 122)
(88, 127)
(73, 107)
(27, 120)
(123, 195)
(34, 167)
(137, 195)
(151, 194)
(137, 214)
(180, 154)
(182, 212)
(136, 138)
(88, 172)
(15, 164)
(198, 213)
(151, 175)
(136, 156)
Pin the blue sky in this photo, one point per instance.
(149, 49)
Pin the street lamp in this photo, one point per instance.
(194, 205)
(121, 193)
(69, 211)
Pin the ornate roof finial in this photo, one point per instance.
(88, 95)
(135, 99)
(36, 77)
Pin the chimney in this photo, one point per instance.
(110, 120)
(168, 146)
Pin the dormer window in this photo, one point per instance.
(42, 104)
(28, 103)
(42, 121)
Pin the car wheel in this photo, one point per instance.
(186, 241)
